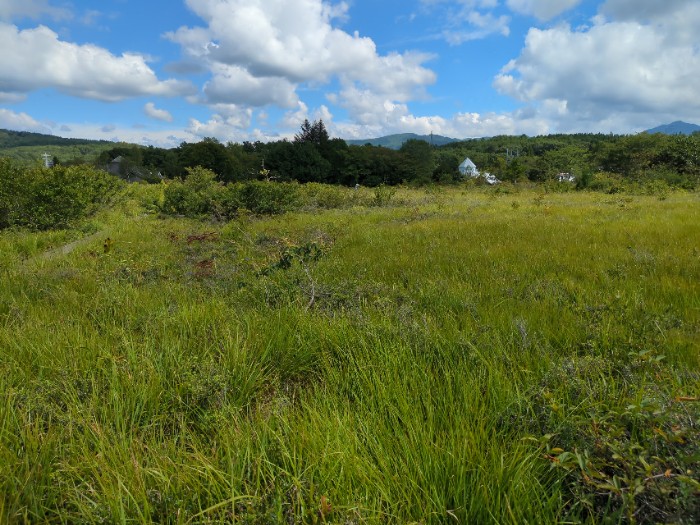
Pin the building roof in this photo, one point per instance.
(467, 163)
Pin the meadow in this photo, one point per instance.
(440, 355)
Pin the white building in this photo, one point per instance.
(469, 169)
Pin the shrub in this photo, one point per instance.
(12, 179)
(268, 198)
(42, 198)
(606, 182)
(197, 195)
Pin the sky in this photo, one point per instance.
(163, 72)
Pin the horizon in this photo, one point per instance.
(367, 139)
(162, 73)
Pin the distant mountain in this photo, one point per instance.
(675, 128)
(396, 141)
(28, 148)
(15, 139)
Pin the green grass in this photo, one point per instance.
(452, 357)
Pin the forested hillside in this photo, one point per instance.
(28, 148)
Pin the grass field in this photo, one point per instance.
(454, 356)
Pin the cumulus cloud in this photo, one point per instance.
(624, 73)
(260, 51)
(542, 9)
(108, 128)
(294, 118)
(21, 122)
(231, 122)
(157, 114)
(18, 9)
(235, 85)
(39, 59)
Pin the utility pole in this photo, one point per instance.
(48, 160)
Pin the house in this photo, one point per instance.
(115, 167)
(123, 168)
(468, 168)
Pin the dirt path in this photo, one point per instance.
(68, 248)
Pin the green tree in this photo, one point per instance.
(313, 133)
(212, 155)
(418, 159)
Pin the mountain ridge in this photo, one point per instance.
(675, 128)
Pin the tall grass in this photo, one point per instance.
(445, 357)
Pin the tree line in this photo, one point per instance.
(313, 156)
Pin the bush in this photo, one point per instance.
(43, 199)
(12, 179)
(606, 182)
(197, 195)
(268, 198)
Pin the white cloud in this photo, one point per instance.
(675, 20)
(235, 85)
(397, 119)
(18, 9)
(481, 26)
(293, 119)
(108, 128)
(220, 128)
(261, 51)
(292, 39)
(157, 114)
(39, 60)
(21, 122)
(467, 20)
(616, 75)
(542, 9)
(644, 10)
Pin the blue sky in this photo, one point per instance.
(165, 71)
